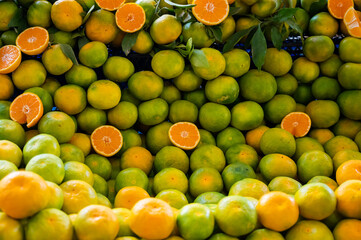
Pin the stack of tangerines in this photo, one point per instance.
(250, 142)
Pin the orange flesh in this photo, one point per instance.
(352, 22)
(184, 135)
(338, 8)
(130, 17)
(210, 12)
(297, 123)
(106, 140)
(10, 58)
(26, 108)
(109, 5)
(33, 41)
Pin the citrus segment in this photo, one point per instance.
(210, 12)
(338, 8)
(26, 108)
(106, 140)
(297, 123)
(33, 41)
(10, 58)
(130, 17)
(109, 5)
(352, 22)
(184, 135)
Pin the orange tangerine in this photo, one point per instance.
(33, 41)
(130, 17)
(10, 58)
(210, 12)
(338, 8)
(352, 22)
(184, 135)
(27, 108)
(106, 140)
(109, 5)
(297, 123)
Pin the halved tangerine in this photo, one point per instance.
(27, 108)
(297, 123)
(338, 8)
(109, 5)
(352, 22)
(184, 135)
(33, 41)
(210, 12)
(106, 140)
(130, 17)
(10, 58)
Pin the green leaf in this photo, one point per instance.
(184, 16)
(284, 14)
(276, 37)
(217, 32)
(234, 39)
(82, 41)
(179, 5)
(317, 7)
(198, 59)
(68, 51)
(185, 50)
(189, 45)
(88, 14)
(234, 11)
(128, 42)
(292, 23)
(19, 20)
(259, 48)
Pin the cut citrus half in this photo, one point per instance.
(106, 140)
(297, 123)
(338, 8)
(352, 22)
(130, 17)
(109, 5)
(33, 41)
(210, 12)
(184, 135)
(27, 108)
(10, 58)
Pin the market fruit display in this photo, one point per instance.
(180, 119)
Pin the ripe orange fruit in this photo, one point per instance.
(338, 8)
(297, 123)
(33, 41)
(23, 194)
(127, 197)
(152, 218)
(106, 140)
(349, 199)
(27, 108)
(348, 170)
(130, 17)
(67, 15)
(184, 135)
(10, 58)
(352, 22)
(109, 5)
(277, 211)
(210, 12)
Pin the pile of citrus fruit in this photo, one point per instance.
(180, 119)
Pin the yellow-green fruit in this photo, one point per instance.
(144, 43)
(93, 54)
(258, 86)
(348, 50)
(145, 85)
(305, 70)
(214, 117)
(223, 90)
(33, 71)
(123, 116)
(81, 75)
(103, 94)
(7, 12)
(323, 24)
(165, 29)
(277, 140)
(198, 32)
(12, 131)
(153, 112)
(349, 103)
(70, 99)
(39, 14)
(247, 115)
(216, 63)
(55, 61)
(118, 69)
(277, 62)
(168, 64)
(347, 75)
(330, 67)
(323, 113)
(238, 62)
(318, 48)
